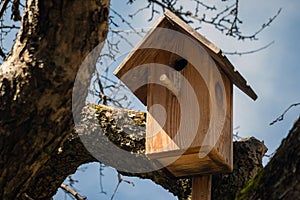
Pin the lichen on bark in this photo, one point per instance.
(113, 122)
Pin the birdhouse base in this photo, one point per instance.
(190, 164)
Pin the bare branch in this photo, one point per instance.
(3, 8)
(139, 10)
(281, 117)
(264, 26)
(15, 11)
(240, 53)
(72, 181)
(100, 178)
(2, 54)
(200, 3)
(234, 24)
(125, 21)
(122, 37)
(236, 136)
(120, 180)
(226, 20)
(71, 191)
(102, 96)
(9, 27)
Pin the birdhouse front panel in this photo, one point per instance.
(189, 123)
(187, 84)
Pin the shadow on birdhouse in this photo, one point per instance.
(186, 83)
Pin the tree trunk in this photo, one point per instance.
(36, 82)
(280, 179)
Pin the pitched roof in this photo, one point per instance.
(170, 20)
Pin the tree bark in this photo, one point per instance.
(247, 163)
(247, 157)
(36, 82)
(280, 179)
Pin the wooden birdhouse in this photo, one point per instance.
(186, 82)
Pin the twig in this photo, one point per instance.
(207, 7)
(71, 191)
(9, 27)
(3, 8)
(124, 38)
(270, 155)
(251, 51)
(265, 25)
(100, 178)
(2, 54)
(235, 12)
(139, 10)
(28, 197)
(72, 181)
(120, 180)
(141, 30)
(102, 96)
(280, 118)
(236, 136)
(15, 11)
(226, 21)
(125, 21)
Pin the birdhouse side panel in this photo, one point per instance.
(224, 145)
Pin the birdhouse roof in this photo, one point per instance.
(141, 55)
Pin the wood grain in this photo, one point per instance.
(179, 151)
(170, 21)
(173, 114)
(201, 187)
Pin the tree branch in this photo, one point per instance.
(71, 191)
(120, 180)
(226, 20)
(3, 8)
(247, 155)
(280, 118)
(240, 53)
(280, 178)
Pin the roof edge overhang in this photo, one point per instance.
(216, 53)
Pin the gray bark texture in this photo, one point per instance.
(104, 122)
(36, 82)
(280, 179)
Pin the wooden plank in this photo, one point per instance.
(171, 21)
(213, 91)
(201, 187)
(188, 29)
(213, 163)
(159, 95)
(216, 54)
(224, 143)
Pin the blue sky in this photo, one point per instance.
(274, 74)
